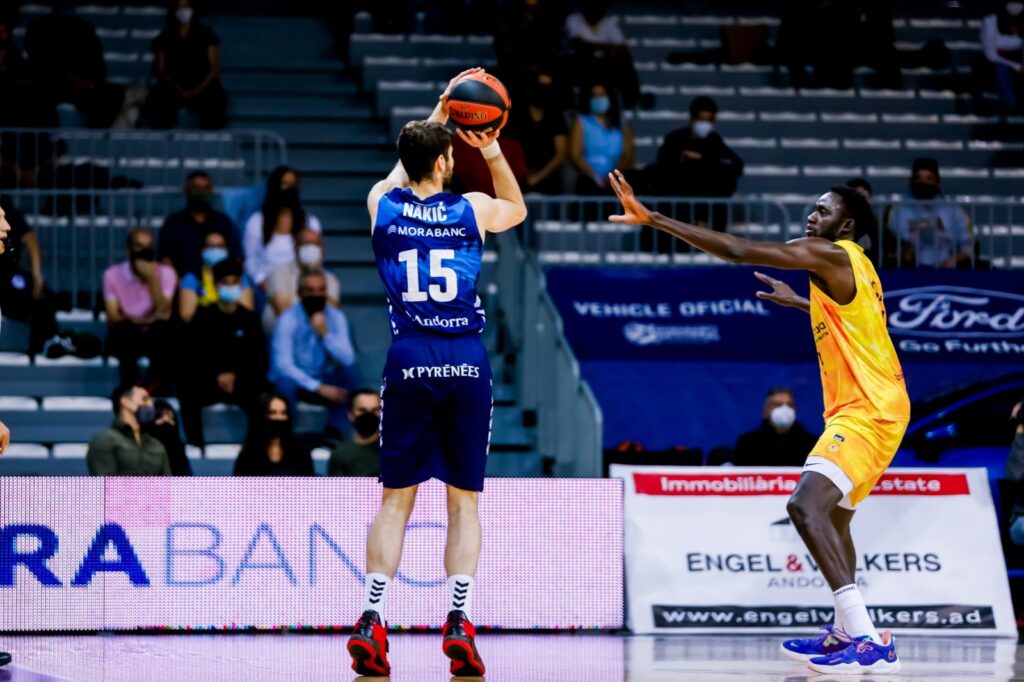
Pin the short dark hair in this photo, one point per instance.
(229, 267)
(120, 391)
(362, 391)
(925, 163)
(306, 274)
(197, 174)
(860, 183)
(419, 145)
(134, 231)
(858, 209)
(779, 389)
(702, 103)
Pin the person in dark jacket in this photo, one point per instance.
(126, 448)
(780, 440)
(360, 456)
(228, 354)
(165, 430)
(271, 448)
(695, 161)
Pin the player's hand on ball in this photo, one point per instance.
(5, 437)
(453, 82)
(633, 211)
(477, 139)
(781, 292)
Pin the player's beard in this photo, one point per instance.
(449, 171)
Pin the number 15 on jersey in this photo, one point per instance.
(440, 293)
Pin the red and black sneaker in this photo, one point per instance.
(460, 646)
(368, 646)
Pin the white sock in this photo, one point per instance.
(376, 590)
(460, 587)
(854, 614)
(837, 626)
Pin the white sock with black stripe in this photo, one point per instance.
(376, 590)
(460, 587)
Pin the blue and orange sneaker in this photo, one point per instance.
(862, 657)
(827, 644)
(368, 646)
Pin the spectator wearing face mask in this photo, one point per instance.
(1003, 47)
(599, 46)
(926, 229)
(126, 448)
(694, 161)
(227, 356)
(270, 447)
(270, 232)
(312, 356)
(165, 430)
(183, 233)
(361, 456)
(599, 142)
(543, 135)
(199, 289)
(186, 61)
(284, 279)
(780, 440)
(137, 295)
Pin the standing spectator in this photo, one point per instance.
(284, 279)
(66, 63)
(186, 61)
(471, 173)
(1003, 47)
(780, 440)
(227, 354)
(182, 234)
(165, 430)
(137, 294)
(599, 46)
(599, 141)
(313, 358)
(125, 448)
(361, 456)
(199, 289)
(929, 230)
(543, 135)
(695, 161)
(270, 232)
(270, 446)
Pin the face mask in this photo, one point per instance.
(229, 293)
(313, 304)
(782, 417)
(600, 105)
(366, 424)
(184, 15)
(277, 428)
(147, 254)
(1014, 8)
(923, 190)
(702, 128)
(214, 254)
(310, 254)
(198, 202)
(145, 414)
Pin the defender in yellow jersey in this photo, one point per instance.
(866, 402)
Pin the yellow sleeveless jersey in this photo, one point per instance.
(861, 377)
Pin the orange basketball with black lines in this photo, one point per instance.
(479, 102)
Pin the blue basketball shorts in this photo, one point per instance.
(436, 411)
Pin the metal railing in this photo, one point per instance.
(41, 158)
(569, 419)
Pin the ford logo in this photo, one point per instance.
(944, 311)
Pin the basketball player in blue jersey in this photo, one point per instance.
(436, 394)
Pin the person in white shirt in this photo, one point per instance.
(599, 46)
(270, 232)
(1004, 49)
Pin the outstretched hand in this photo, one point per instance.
(634, 212)
(781, 292)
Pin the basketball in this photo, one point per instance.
(479, 102)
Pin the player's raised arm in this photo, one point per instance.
(813, 254)
(398, 177)
(506, 209)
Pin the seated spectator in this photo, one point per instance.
(780, 440)
(695, 161)
(928, 230)
(471, 172)
(270, 447)
(361, 456)
(599, 142)
(23, 105)
(165, 430)
(862, 186)
(599, 46)
(198, 288)
(313, 358)
(227, 354)
(1015, 474)
(182, 234)
(137, 294)
(543, 136)
(284, 279)
(270, 232)
(1003, 47)
(66, 63)
(125, 448)
(186, 62)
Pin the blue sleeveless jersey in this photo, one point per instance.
(428, 254)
